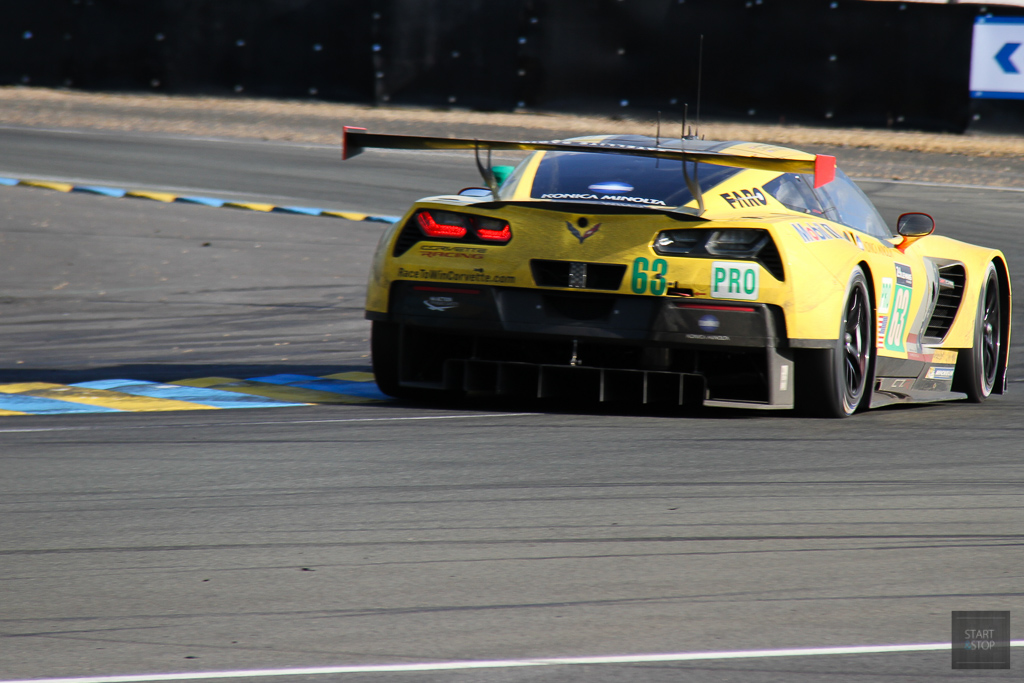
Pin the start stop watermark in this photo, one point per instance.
(981, 640)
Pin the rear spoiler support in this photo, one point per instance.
(486, 172)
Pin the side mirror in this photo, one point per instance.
(915, 225)
(500, 173)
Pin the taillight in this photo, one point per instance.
(442, 224)
(735, 242)
(738, 243)
(452, 225)
(492, 230)
(679, 242)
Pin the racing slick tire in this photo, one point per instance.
(385, 352)
(836, 382)
(977, 369)
(384, 349)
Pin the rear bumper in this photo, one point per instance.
(590, 347)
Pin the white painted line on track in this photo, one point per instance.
(926, 183)
(180, 137)
(155, 135)
(260, 422)
(507, 663)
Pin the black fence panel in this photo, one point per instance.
(809, 61)
(277, 48)
(825, 62)
(273, 48)
(36, 45)
(445, 53)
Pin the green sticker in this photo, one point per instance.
(731, 280)
(658, 282)
(885, 299)
(639, 279)
(896, 330)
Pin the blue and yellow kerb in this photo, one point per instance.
(170, 197)
(202, 393)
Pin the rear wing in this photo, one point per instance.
(355, 140)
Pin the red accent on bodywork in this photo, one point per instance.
(824, 169)
(445, 290)
(710, 307)
(344, 143)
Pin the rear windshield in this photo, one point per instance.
(621, 179)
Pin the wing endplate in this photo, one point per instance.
(824, 169)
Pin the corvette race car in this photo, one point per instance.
(678, 272)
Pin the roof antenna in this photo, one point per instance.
(657, 140)
(693, 184)
(700, 71)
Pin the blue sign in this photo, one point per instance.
(996, 62)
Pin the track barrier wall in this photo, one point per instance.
(823, 62)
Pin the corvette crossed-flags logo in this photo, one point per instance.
(576, 233)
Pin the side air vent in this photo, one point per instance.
(951, 292)
(409, 236)
(577, 274)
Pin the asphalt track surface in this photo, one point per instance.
(333, 536)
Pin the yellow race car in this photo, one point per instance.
(679, 272)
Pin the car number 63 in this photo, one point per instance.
(657, 281)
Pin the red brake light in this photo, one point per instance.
(454, 225)
(714, 307)
(503, 235)
(446, 290)
(492, 229)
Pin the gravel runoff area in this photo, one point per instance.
(899, 155)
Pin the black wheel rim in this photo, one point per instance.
(855, 347)
(990, 335)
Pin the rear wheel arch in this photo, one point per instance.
(869, 276)
(838, 381)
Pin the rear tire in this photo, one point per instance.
(978, 368)
(384, 349)
(836, 382)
